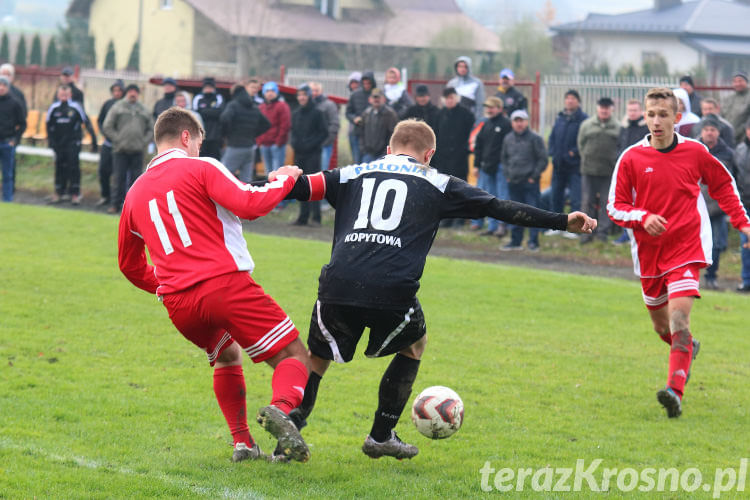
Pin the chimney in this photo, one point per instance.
(666, 4)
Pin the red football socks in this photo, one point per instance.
(229, 387)
(666, 337)
(288, 384)
(679, 362)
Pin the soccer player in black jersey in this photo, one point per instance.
(387, 215)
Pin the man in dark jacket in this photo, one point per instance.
(167, 101)
(686, 82)
(423, 109)
(524, 158)
(209, 104)
(742, 162)
(116, 90)
(633, 126)
(67, 77)
(633, 129)
(563, 149)
(12, 126)
(8, 71)
(511, 97)
(65, 119)
(358, 103)
(488, 148)
(710, 106)
(273, 141)
(309, 132)
(454, 125)
(597, 144)
(241, 122)
(378, 122)
(719, 229)
(331, 111)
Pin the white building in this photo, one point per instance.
(709, 34)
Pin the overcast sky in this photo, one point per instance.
(505, 12)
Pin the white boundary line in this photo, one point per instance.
(209, 492)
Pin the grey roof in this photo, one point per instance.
(720, 47)
(407, 23)
(703, 17)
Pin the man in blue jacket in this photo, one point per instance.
(563, 149)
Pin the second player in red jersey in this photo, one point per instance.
(655, 193)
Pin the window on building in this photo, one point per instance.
(166, 4)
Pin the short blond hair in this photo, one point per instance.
(173, 121)
(413, 135)
(662, 93)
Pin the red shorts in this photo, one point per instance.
(679, 282)
(231, 307)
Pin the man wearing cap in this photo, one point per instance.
(488, 148)
(511, 97)
(209, 104)
(736, 107)
(378, 122)
(116, 90)
(710, 106)
(563, 148)
(686, 83)
(273, 141)
(241, 122)
(12, 126)
(309, 132)
(170, 87)
(524, 158)
(597, 144)
(129, 125)
(423, 109)
(742, 162)
(469, 88)
(719, 228)
(67, 78)
(331, 111)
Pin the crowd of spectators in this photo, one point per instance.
(256, 122)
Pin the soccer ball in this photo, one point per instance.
(437, 412)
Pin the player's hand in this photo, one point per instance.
(746, 232)
(655, 225)
(579, 222)
(292, 171)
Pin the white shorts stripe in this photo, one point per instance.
(392, 335)
(213, 355)
(655, 301)
(280, 329)
(272, 341)
(329, 338)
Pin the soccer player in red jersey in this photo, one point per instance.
(655, 194)
(186, 211)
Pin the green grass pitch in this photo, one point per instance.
(100, 397)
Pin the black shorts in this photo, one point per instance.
(336, 329)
